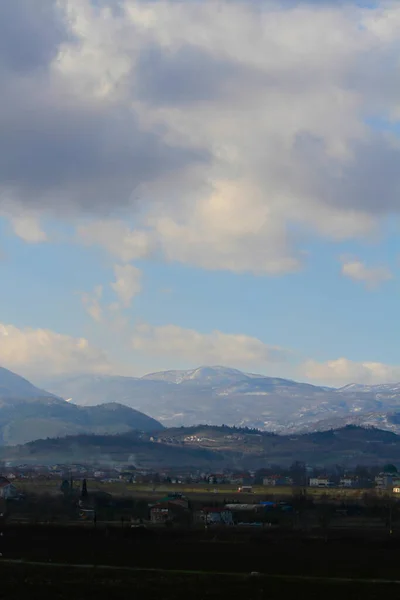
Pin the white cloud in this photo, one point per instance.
(127, 283)
(92, 304)
(205, 348)
(28, 229)
(371, 277)
(30, 351)
(224, 146)
(343, 371)
(117, 238)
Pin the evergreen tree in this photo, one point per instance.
(65, 487)
(84, 493)
(390, 469)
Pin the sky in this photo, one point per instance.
(200, 182)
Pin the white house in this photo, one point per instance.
(348, 482)
(7, 489)
(323, 482)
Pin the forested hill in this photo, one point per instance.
(206, 446)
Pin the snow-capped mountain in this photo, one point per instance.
(213, 375)
(220, 395)
(387, 421)
(389, 390)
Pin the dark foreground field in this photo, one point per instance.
(55, 582)
(372, 555)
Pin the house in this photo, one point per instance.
(321, 482)
(171, 508)
(7, 489)
(165, 512)
(215, 515)
(384, 481)
(348, 482)
(247, 513)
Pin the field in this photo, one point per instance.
(200, 491)
(47, 582)
(63, 562)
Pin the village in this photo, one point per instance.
(298, 475)
(124, 493)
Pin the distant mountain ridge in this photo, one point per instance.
(210, 394)
(221, 395)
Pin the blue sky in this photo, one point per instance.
(181, 185)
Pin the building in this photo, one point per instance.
(168, 512)
(7, 489)
(384, 481)
(348, 482)
(215, 516)
(321, 482)
(171, 508)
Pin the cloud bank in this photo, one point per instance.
(223, 146)
(31, 351)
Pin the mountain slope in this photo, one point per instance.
(25, 421)
(220, 395)
(15, 386)
(28, 412)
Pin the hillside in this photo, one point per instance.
(29, 413)
(15, 386)
(220, 395)
(23, 422)
(215, 448)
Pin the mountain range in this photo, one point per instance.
(105, 404)
(221, 395)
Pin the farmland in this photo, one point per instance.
(60, 561)
(199, 491)
(49, 582)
